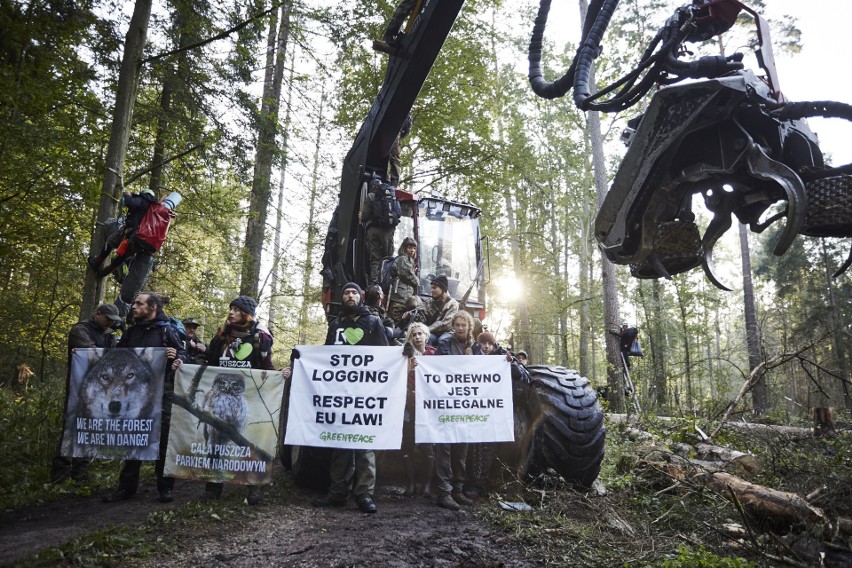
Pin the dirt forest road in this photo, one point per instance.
(283, 531)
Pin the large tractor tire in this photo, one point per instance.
(565, 426)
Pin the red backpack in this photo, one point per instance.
(154, 227)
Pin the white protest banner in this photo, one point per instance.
(224, 424)
(346, 396)
(114, 402)
(463, 398)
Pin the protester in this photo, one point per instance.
(95, 332)
(480, 457)
(151, 328)
(390, 38)
(405, 281)
(418, 459)
(348, 463)
(137, 205)
(450, 458)
(227, 350)
(378, 238)
(522, 358)
(373, 298)
(438, 313)
(394, 160)
(196, 350)
(626, 335)
(413, 313)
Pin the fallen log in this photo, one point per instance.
(750, 426)
(778, 507)
(743, 463)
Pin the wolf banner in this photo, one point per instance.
(224, 424)
(114, 404)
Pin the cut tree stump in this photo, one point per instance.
(824, 423)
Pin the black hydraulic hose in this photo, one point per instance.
(805, 109)
(653, 62)
(824, 109)
(589, 49)
(650, 64)
(562, 85)
(659, 62)
(541, 87)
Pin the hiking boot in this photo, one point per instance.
(166, 496)
(119, 495)
(365, 504)
(329, 501)
(462, 499)
(255, 495)
(445, 501)
(385, 46)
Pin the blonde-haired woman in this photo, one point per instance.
(450, 458)
(415, 457)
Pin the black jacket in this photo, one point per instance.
(360, 328)
(88, 334)
(137, 205)
(154, 333)
(222, 353)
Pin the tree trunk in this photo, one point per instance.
(687, 360)
(274, 300)
(839, 346)
(824, 423)
(610, 294)
(658, 347)
(523, 315)
(265, 152)
(759, 397)
(586, 271)
(765, 503)
(312, 240)
(122, 118)
(175, 74)
(561, 350)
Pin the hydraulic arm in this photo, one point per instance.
(407, 70)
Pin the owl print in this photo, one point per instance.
(225, 400)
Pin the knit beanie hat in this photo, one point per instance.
(354, 285)
(441, 282)
(245, 304)
(486, 336)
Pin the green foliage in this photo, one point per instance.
(30, 430)
(100, 548)
(49, 160)
(699, 557)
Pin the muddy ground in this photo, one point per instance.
(286, 530)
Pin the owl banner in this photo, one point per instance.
(345, 396)
(224, 424)
(114, 402)
(463, 398)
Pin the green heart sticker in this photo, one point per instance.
(353, 335)
(243, 352)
